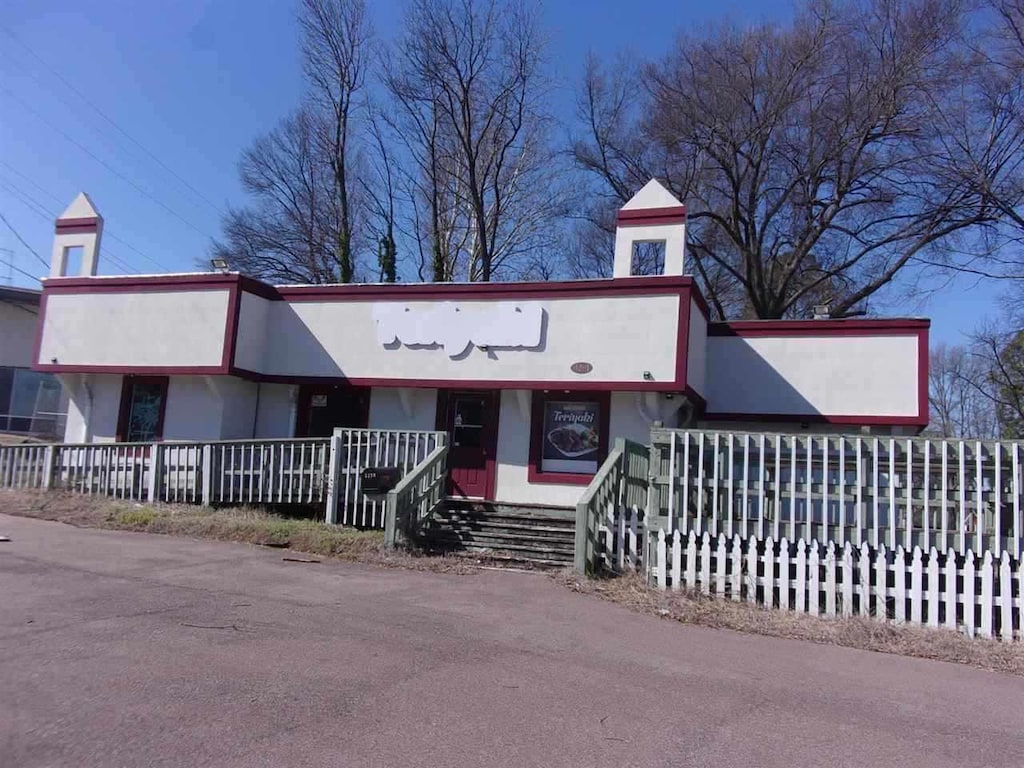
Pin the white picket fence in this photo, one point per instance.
(305, 471)
(960, 494)
(980, 596)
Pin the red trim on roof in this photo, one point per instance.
(852, 327)
(675, 214)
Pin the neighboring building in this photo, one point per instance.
(30, 401)
(533, 380)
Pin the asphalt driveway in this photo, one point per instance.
(121, 649)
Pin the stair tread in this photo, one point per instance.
(504, 545)
(512, 527)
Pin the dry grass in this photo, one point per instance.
(241, 524)
(856, 632)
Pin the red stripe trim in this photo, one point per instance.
(141, 370)
(675, 214)
(531, 384)
(76, 226)
(819, 418)
(784, 328)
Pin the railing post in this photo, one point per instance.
(155, 470)
(581, 550)
(391, 535)
(207, 475)
(49, 455)
(333, 479)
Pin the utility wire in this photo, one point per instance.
(110, 120)
(106, 230)
(43, 212)
(22, 241)
(19, 270)
(102, 162)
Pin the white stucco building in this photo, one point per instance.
(532, 380)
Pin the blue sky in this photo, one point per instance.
(194, 81)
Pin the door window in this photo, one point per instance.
(467, 422)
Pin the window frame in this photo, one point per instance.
(540, 399)
(127, 387)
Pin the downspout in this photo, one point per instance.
(256, 410)
(87, 415)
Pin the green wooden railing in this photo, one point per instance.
(620, 484)
(411, 504)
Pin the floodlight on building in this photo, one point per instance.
(220, 265)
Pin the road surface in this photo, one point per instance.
(121, 649)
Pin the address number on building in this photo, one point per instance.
(581, 367)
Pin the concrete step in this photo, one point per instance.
(487, 539)
(499, 508)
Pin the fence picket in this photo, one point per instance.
(752, 570)
(916, 586)
(677, 552)
(720, 565)
(813, 586)
(830, 579)
(705, 563)
(949, 589)
(986, 596)
(1006, 598)
(864, 587)
(784, 574)
(768, 563)
(968, 599)
(736, 568)
(847, 607)
(933, 587)
(691, 560)
(801, 585)
(661, 569)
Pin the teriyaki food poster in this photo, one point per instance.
(571, 437)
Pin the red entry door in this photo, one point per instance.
(472, 424)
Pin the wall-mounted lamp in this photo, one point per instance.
(220, 265)
(648, 376)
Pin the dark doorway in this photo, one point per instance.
(322, 407)
(471, 419)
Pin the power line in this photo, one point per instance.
(22, 241)
(43, 212)
(19, 270)
(102, 162)
(110, 120)
(106, 230)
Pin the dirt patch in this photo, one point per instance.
(242, 524)
(856, 632)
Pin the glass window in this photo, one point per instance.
(572, 437)
(145, 407)
(468, 422)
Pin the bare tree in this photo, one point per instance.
(807, 155)
(288, 234)
(962, 393)
(467, 82)
(302, 172)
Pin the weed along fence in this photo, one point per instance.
(910, 530)
(309, 472)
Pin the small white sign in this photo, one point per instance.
(501, 325)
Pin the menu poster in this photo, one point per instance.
(571, 437)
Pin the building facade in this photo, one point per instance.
(532, 380)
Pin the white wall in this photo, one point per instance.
(17, 335)
(387, 410)
(697, 351)
(835, 375)
(253, 314)
(104, 394)
(238, 403)
(621, 337)
(166, 328)
(510, 482)
(629, 418)
(277, 404)
(193, 410)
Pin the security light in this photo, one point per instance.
(221, 265)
